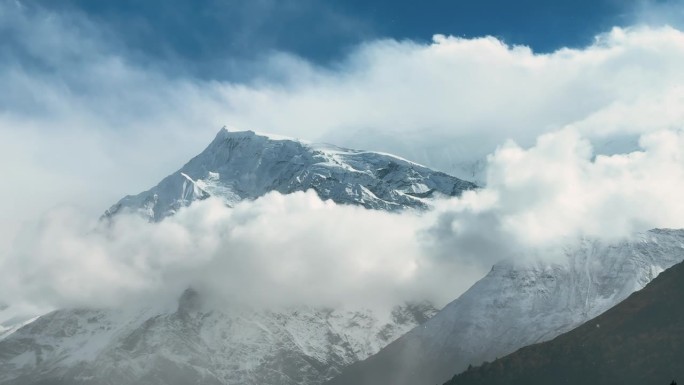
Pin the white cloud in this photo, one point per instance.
(540, 200)
(79, 123)
(296, 249)
(457, 99)
(278, 249)
(445, 104)
(658, 12)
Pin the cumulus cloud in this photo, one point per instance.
(297, 250)
(277, 250)
(455, 100)
(81, 123)
(540, 201)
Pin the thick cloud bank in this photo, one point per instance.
(278, 249)
(81, 123)
(541, 200)
(298, 250)
(452, 102)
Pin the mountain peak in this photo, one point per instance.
(189, 301)
(227, 133)
(239, 165)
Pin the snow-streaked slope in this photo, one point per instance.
(197, 344)
(517, 305)
(13, 318)
(11, 326)
(639, 341)
(246, 165)
(221, 343)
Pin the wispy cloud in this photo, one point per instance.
(658, 12)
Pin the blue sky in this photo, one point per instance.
(204, 37)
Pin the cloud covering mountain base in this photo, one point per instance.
(74, 128)
(298, 250)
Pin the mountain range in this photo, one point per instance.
(191, 342)
(195, 341)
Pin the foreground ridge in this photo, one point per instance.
(639, 341)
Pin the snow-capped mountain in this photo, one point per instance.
(192, 342)
(188, 343)
(518, 305)
(195, 344)
(246, 165)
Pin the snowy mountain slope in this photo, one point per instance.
(197, 344)
(245, 165)
(511, 307)
(7, 328)
(230, 344)
(517, 305)
(639, 341)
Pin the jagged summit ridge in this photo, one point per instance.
(239, 165)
